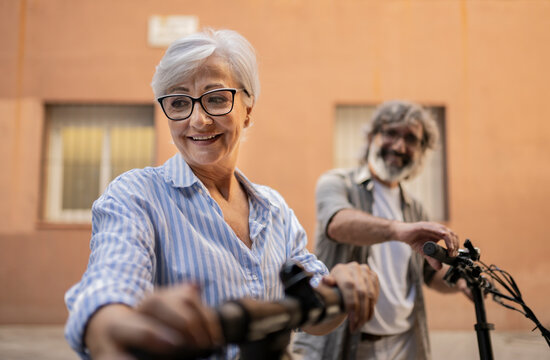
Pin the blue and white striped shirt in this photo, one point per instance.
(159, 226)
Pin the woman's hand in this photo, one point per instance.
(360, 289)
(164, 323)
(180, 308)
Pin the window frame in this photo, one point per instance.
(52, 174)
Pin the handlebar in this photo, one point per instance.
(246, 322)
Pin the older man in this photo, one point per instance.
(365, 215)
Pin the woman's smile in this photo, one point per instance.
(205, 139)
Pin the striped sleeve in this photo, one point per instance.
(121, 264)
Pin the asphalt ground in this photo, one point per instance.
(47, 343)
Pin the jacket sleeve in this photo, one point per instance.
(331, 196)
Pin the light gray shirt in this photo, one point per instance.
(348, 189)
(390, 260)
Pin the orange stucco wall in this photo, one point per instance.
(485, 61)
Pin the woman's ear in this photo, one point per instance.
(247, 119)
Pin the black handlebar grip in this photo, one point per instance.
(439, 253)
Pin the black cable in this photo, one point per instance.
(490, 270)
(463, 265)
(508, 283)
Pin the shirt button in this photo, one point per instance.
(254, 277)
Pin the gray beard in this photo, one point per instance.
(391, 174)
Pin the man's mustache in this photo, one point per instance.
(404, 157)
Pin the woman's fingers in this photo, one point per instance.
(165, 323)
(181, 309)
(145, 334)
(116, 329)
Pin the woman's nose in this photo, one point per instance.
(199, 118)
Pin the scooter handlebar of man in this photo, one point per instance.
(439, 253)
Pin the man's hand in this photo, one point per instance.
(360, 289)
(356, 227)
(462, 286)
(164, 322)
(418, 233)
(439, 284)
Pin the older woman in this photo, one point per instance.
(195, 230)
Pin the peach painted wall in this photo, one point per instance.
(486, 62)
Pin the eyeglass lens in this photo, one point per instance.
(217, 102)
(409, 138)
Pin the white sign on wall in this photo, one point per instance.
(163, 30)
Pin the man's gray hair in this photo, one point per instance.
(185, 56)
(401, 111)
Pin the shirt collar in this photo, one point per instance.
(251, 190)
(179, 174)
(363, 176)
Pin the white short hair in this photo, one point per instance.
(185, 55)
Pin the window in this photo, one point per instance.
(87, 146)
(430, 186)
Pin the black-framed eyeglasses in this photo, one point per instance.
(393, 135)
(215, 102)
